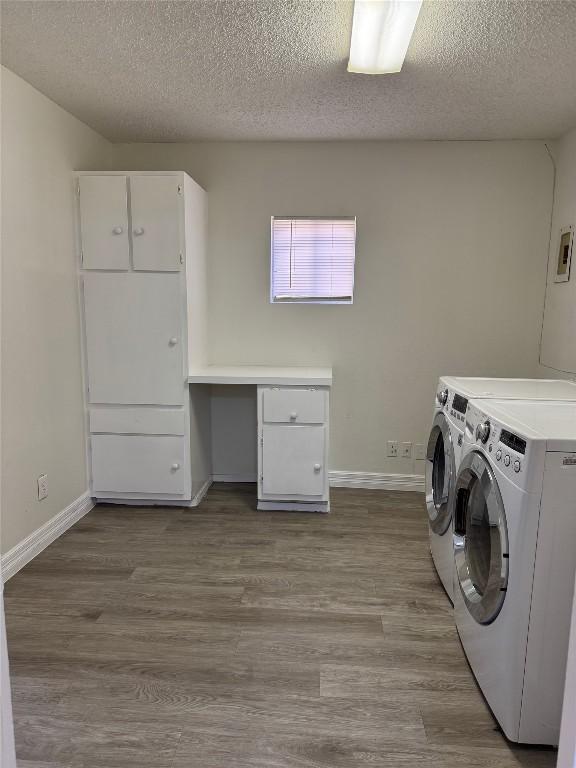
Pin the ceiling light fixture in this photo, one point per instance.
(381, 32)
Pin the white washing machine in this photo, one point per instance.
(515, 558)
(444, 448)
(442, 461)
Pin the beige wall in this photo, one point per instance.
(451, 263)
(559, 329)
(42, 412)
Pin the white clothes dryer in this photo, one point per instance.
(515, 558)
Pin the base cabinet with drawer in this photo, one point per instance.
(141, 246)
(293, 448)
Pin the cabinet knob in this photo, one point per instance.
(293, 415)
(117, 230)
(317, 467)
(175, 466)
(173, 341)
(139, 231)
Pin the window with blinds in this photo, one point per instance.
(313, 259)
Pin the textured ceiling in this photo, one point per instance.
(137, 70)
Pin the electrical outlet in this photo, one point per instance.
(419, 451)
(406, 450)
(392, 448)
(42, 487)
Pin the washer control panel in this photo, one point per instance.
(507, 450)
(508, 460)
(503, 454)
(456, 406)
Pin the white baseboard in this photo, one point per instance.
(246, 478)
(201, 492)
(390, 482)
(294, 506)
(377, 480)
(17, 557)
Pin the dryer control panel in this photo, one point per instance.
(509, 452)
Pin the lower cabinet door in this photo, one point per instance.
(293, 460)
(138, 464)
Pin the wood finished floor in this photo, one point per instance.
(223, 637)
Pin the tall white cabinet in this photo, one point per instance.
(142, 263)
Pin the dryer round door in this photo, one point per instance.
(440, 475)
(480, 539)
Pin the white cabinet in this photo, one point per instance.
(138, 464)
(293, 447)
(292, 460)
(156, 223)
(104, 222)
(134, 272)
(156, 215)
(134, 345)
(142, 280)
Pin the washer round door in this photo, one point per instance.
(480, 539)
(440, 475)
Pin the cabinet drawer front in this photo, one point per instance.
(138, 464)
(294, 406)
(293, 460)
(138, 421)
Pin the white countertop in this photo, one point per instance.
(261, 374)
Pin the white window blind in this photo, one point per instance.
(313, 259)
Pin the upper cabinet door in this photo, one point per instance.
(104, 222)
(156, 206)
